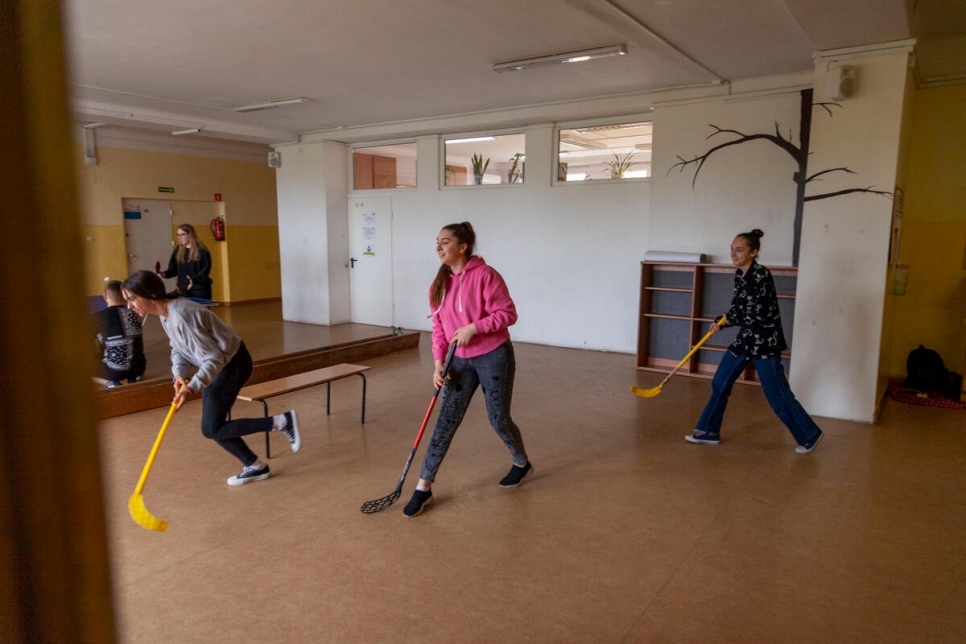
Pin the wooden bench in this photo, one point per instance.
(264, 390)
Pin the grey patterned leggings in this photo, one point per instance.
(493, 372)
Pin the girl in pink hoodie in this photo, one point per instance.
(472, 307)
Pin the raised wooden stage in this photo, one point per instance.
(157, 392)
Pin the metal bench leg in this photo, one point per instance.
(328, 397)
(363, 376)
(268, 448)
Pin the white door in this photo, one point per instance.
(370, 260)
(147, 233)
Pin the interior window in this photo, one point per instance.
(605, 152)
(485, 160)
(384, 166)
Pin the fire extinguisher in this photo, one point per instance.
(218, 229)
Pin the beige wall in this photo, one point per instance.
(246, 264)
(933, 243)
(840, 311)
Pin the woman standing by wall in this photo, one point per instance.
(191, 263)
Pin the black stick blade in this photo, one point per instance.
(378, 505)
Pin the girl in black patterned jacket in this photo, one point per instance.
(761, 340)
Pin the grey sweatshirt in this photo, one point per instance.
(198, 337)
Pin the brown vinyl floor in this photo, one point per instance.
(625, 533)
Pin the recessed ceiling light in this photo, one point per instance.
(587, 145)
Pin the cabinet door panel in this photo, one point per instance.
(669, 339)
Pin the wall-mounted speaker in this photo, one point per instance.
(274, 159)
(841, 82)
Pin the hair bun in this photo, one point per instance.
(757, 233)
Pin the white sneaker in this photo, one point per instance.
(257, 471)
(801, 449)
(291, 430)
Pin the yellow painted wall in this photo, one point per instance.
(933, 310)
(104, 255)
(245, 267)
(252, 252)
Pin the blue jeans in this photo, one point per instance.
(771, 374)
(493, 372)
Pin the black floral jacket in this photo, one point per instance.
(754, 308)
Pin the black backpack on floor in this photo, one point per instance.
(925, 371)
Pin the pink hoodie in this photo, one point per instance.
(475, 294)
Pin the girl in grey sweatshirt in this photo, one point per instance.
(201, 339)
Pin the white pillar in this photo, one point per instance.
(845, 239)
(312, 186)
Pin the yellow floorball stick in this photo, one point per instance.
(653, 391)
(136, 503)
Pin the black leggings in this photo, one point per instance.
(217, 400)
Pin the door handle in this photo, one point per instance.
(352, 262)
(132, 256)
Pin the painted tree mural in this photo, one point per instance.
(798, 152)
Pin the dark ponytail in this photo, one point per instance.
(145, 284)
(464, 234)
(754, 238)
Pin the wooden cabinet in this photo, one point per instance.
(677, 306)
(372, 171)
(456, 175)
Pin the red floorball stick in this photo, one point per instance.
(377, 505)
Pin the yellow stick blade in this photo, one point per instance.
(646, 393)
(144, 518)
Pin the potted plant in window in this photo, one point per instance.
(515, 173)
(479, 168)
(621, 164)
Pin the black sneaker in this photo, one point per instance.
(291, 430)
(418, 503)
(516, 475)
(704, 438)
(110, 384)
(257, 471)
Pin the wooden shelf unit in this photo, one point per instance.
(370, 171)
(677, 306)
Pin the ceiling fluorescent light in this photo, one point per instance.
(93, 126)
(555, 59)
(268, 105)
(192, 130)
(471, 139)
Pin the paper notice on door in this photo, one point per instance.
(369, 239)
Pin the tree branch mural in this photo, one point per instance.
(798, 152)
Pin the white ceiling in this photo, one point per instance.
(181, 64)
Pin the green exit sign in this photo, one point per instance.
(165, 189)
